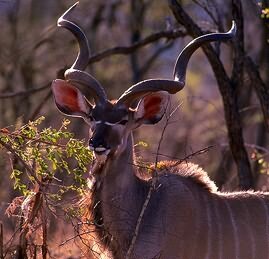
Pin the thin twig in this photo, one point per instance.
(198, 152)
(27, 92)
(120, 50)
(8, 244)
(75, 236)
(148, 64)
(168, 118)
(207, 10)
(180, 160)
(139, 220)
(260, 87)
(152, 185)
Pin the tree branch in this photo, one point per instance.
(260, 87)
(120, 50)
(148, 63)
(238, 44)
(27, 92)
(230, 102)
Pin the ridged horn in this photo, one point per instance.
(184, 57)
(173, 86)
(86, 83)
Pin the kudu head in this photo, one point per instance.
(81, 95)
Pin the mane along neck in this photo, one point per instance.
(188, 171)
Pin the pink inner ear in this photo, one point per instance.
(152, 106)
(65, 95)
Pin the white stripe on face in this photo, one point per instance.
(125, 119)
(106, 123)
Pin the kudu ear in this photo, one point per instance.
(151, 108)
(69, 99)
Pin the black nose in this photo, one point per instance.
(95, 142)
(99, 137)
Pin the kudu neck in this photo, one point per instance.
(121, 165)
(118, 185)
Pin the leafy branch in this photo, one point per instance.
(43, 153)
(42, 160)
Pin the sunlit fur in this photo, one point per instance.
(91, 202)
(186, 216)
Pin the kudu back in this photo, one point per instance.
(186, 217)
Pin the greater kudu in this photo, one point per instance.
(186, 217)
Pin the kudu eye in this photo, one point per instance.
(90, 117)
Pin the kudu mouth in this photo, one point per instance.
(100, 150)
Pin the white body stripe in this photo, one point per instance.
(219, 230)
(266, 210)
(209, 226)
(250, 232)
(234, 229)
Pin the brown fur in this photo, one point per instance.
(93, 209)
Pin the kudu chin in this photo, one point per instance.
(186, 217)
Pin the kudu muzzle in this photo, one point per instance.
(98, 142)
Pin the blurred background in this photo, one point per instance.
(222, 109)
